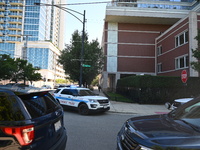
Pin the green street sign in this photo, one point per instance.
(86, 65)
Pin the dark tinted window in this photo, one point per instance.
(39, 104)
(67, 92)
(86, 93)
(10, 108)
(74, 92)
(56, 91)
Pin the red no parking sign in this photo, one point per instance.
(184, 76)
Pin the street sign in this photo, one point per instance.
(184, 76)
(86, 65)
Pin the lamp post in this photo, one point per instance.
(24, 49)
(83, 32)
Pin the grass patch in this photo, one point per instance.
(118, 97)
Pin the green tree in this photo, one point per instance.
(25, 72)
(93, 56)
(7, 67)
(62, 81)
(31, 73)
(196, 53)
(17, 70)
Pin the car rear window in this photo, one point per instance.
(10, 108)
(39, 104)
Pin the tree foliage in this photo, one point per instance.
(17, 70)
(7, 67)
(196, 53)
(71, 55)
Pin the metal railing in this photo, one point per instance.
(159, 4)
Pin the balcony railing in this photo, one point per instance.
(14, 8)
(158, 4)
(2, 2)
(16, 21)
(12, 14)
(189, 1)
(16, 2)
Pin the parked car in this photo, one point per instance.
(179, 129)
(177, 103)
(46, 87)
(82, 99)
(30, 119)
(61, 85)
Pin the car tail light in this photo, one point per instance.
(24, 135)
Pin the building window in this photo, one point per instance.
(181, 39)
(159, 67)
(182, 62)
(159, 50)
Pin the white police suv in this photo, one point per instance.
(82, 99)
(177, 103)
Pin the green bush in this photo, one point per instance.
(157, 89)
(118, 97)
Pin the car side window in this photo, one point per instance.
(74, 92)
(192, 107)
(66, 91)
(192, 111)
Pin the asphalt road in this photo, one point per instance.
(93, 132)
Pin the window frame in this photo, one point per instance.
(178, 64)
(181, 38)
(159, 50)
(159, 67)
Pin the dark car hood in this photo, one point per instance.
(164, 131)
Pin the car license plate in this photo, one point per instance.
(57, 125)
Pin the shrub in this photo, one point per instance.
(157, 89)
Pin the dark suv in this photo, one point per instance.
(177, 130)
(30, 120)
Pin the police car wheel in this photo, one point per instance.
(83, 109)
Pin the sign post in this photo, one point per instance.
(184, 76)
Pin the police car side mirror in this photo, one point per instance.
(168, 105)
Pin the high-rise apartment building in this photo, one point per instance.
(34, 33)
(152, 37)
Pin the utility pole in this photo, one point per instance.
(82, 52)
(24, 49)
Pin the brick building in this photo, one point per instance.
(149, 37)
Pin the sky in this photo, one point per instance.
(94, 15)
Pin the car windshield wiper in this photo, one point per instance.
(191, 125)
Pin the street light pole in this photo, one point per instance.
(82, 52)
(24, 49)
(83, 33)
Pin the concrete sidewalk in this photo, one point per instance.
(134, 108)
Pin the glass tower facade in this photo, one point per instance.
(11, 25)
(22, 21)
(37, 20)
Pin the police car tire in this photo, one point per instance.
(83, 109)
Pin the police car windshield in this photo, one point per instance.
(83, 92)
